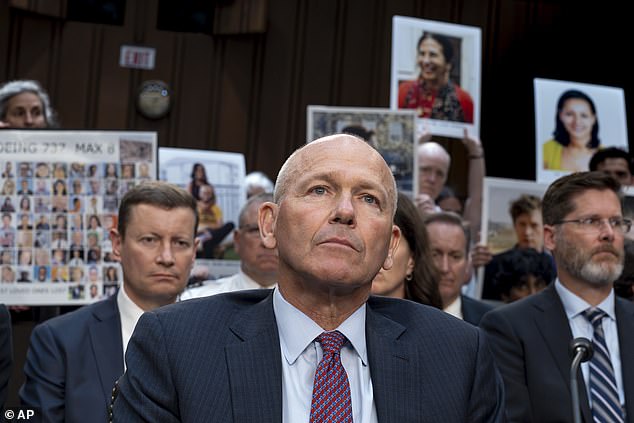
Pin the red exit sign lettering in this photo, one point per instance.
(137, 57)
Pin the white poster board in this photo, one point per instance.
(453, 106)
(60, 195)
(610, 120)
(390, 132)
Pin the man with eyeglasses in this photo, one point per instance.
(585, 229)
(258, 264)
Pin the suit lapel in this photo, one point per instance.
(625, 328)
(389, 366)
(106, 343)
(255, 365)
(553, 325)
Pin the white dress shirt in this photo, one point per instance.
(301, 354)
(455, 308)
(580, 326)
(130, 313)
(237, 282)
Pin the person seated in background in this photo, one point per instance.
(25, 104)
(211, 229)
(74, 360)
(615, 162)
(433, 169)
(523, 272)
(258, 264)
(449, 241)
(256, 183)
(526, 214)
(413, 275)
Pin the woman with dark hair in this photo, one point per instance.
(198, 179)
(434, 94)
(413, 275)
(576, 135)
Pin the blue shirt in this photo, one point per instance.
(580, 326)
(301, 354)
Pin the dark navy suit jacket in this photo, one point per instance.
(218, 359)
(73, 362)
(473, 310)
(530, 339)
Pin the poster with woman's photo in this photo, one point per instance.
(436, 72)
(572, 122)
(390, 132)
(216, 180)
(60, 193)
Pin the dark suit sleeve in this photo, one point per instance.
(508, 352)
(146, 390)
(6, 353)
(45, 373)
(486, 403)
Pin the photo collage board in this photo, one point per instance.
(59, 198)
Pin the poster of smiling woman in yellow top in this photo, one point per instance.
(587, 118)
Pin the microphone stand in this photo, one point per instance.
(581, 349)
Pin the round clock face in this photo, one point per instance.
(153, 100)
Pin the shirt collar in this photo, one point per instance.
(575, 305)
(455, 308)
(298, 331)
(129, 311)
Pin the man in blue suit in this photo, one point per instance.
(74, 359)
(253, 356)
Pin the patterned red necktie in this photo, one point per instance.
(331, 390)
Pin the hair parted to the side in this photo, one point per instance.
(155, 193)
(13, 88)
(525, 204)
(450, 218)
(560, 134)
(557, 202)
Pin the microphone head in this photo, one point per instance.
(581, 346)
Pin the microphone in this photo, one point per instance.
(581, 351)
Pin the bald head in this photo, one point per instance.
(433, 168)
(303, 159)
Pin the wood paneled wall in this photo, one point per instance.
(248, 92)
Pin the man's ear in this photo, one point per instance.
(394, 241)
(267, 217)
(549, 237)
(116, 240)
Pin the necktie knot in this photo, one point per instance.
(595, 316)
(331, 342)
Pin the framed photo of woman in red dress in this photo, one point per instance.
(436, 71)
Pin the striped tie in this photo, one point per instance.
(331, 390)
(606, 407)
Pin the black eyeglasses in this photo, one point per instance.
(596, 223)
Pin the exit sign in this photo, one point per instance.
(137, 57)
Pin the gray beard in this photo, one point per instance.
(600, 274)
(579, 266)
